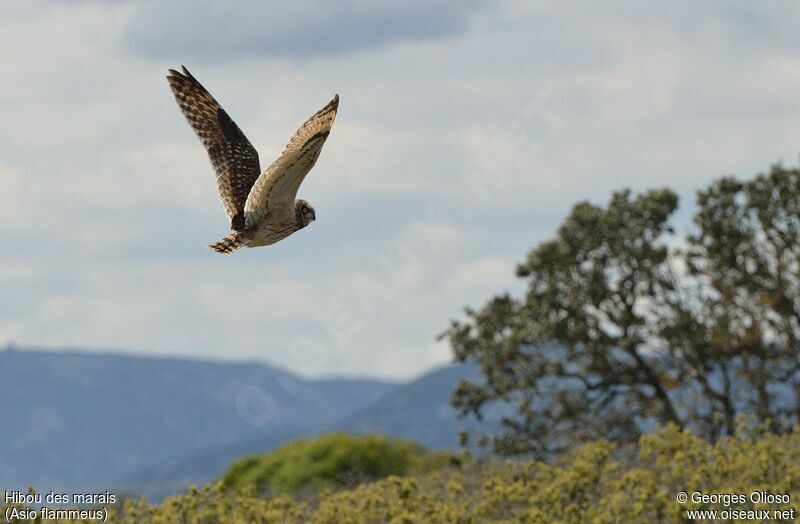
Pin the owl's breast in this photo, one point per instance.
(267, 233)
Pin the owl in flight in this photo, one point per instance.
(262, 206)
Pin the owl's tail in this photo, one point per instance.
(229, 244)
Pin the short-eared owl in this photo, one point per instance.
(261, 206)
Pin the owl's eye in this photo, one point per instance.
(305, 210)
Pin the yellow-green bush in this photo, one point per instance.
(332, 460)
(591, 485)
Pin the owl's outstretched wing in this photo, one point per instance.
(233, 156)
(276, 188)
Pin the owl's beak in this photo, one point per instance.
(313, 215)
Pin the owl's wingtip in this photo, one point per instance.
(183, 73)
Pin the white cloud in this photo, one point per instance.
(487, 275)
(12, 207)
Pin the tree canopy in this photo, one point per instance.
(625, 325)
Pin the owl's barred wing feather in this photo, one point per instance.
(276, 189)
(234, 158)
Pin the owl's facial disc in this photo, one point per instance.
(305, 213)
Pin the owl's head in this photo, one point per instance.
(304, 213)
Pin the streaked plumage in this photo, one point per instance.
(262, 206)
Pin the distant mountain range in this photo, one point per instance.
(79, 421)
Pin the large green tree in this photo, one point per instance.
(624, 325)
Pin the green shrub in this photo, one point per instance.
(332, 460)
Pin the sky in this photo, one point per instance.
(466, 132)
